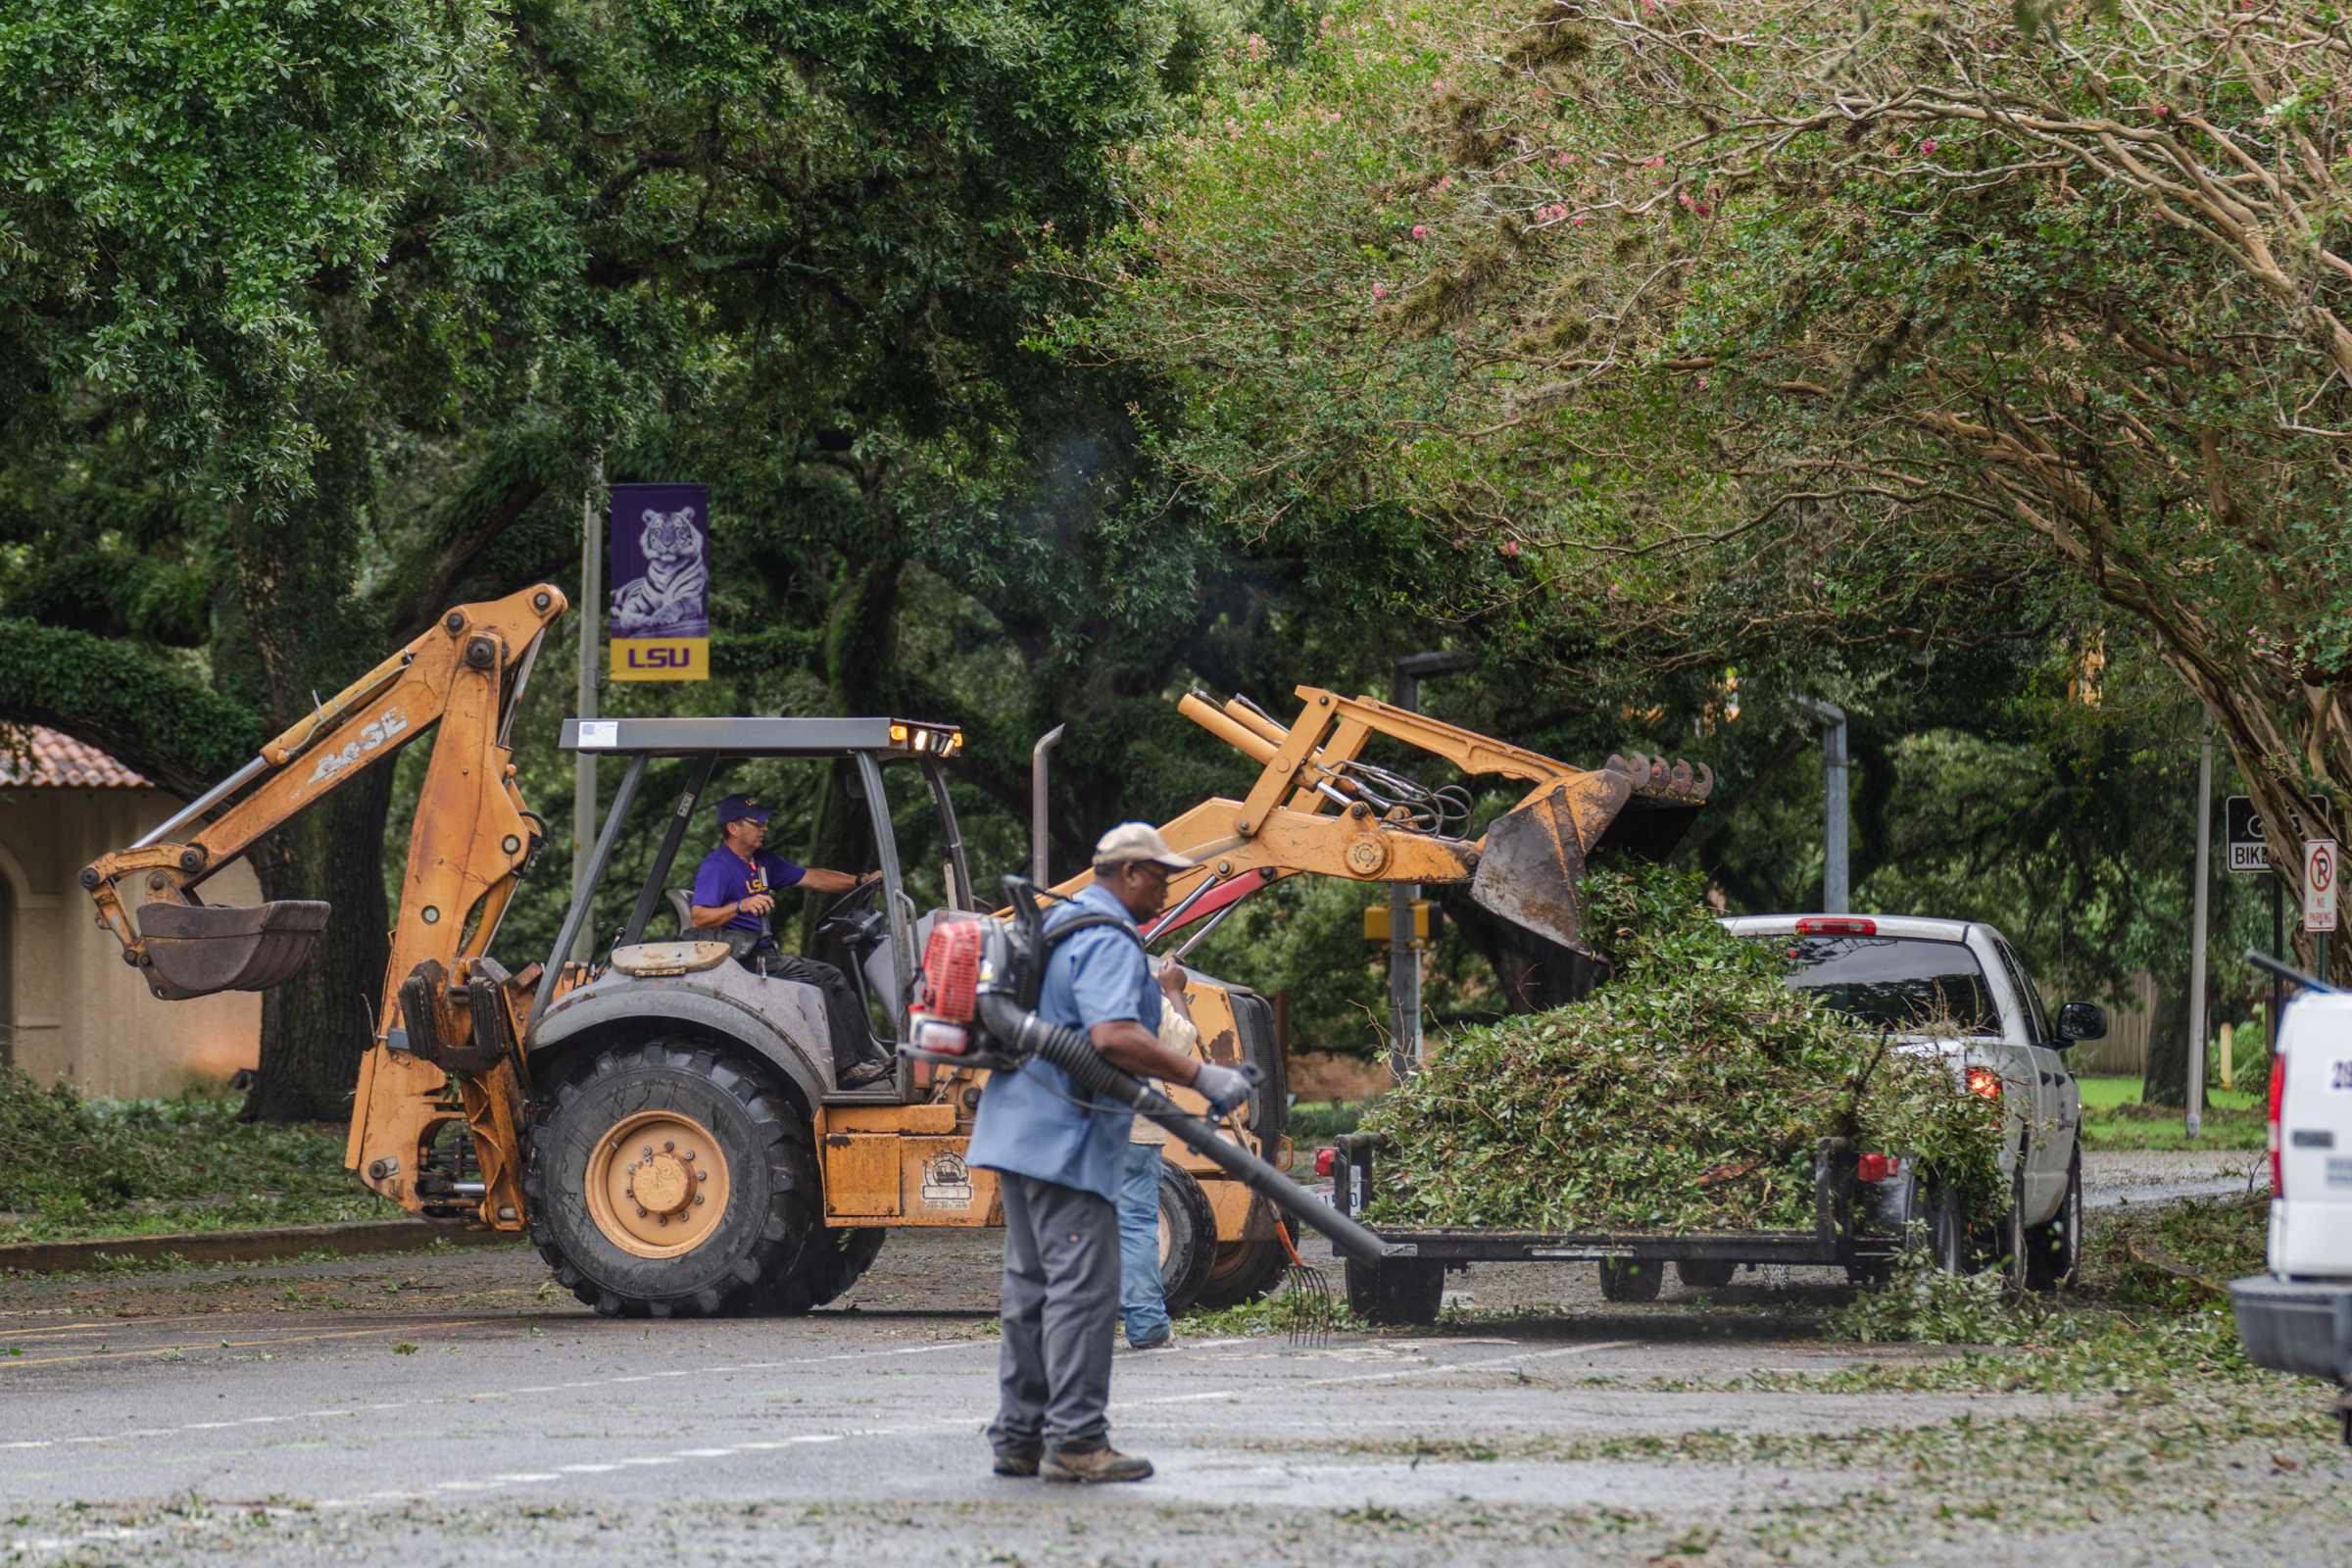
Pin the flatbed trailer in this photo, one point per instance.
(1856, 1226)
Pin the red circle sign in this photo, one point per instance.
(2323, 869)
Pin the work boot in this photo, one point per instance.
(1106, 1464)
(1016, 1461)
(872, 1070)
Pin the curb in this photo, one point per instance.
(357, 1238)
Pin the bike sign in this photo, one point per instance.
(2320, 870)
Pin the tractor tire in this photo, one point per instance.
(1241, 1272)
(1631, 1279)
(1395, 1292)
(2054, 1251)
(833, 1260)
(1705, 1274)
(1188, 1240)
(669, 1179)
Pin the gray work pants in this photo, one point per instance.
(1061, 1302)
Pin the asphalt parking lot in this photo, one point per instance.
(447, 1408)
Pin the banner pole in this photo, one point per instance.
(2194, 1120)
(583, 776)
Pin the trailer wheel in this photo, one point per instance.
(1188, 1238)
(666, 1178)
(1705, 1273)
(1631, 1279)
(834, 1259)
(1398, 1290)
(2054, 1251)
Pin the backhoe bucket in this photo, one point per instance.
(194, 949)
(1532, 869)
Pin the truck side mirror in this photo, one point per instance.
(2080, 1020)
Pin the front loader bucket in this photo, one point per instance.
(194, 949)
(1532, 869)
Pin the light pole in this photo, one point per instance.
(583, 768)
(1835, 891)
(1405, 954)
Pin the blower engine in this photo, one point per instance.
(978, 1009)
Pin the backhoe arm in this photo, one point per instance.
(471, 838)
(1316, 807)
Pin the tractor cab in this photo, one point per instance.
(658, 974)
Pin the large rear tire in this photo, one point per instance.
(1395, 1292)
(833, 1260)
(667, 1179)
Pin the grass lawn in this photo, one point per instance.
(72, 1169)
(2113, 1117)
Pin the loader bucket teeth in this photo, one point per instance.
(195, 950)
(1534, 862)
(1660, 807)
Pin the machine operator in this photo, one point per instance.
(735, 891)
(1060, 1158)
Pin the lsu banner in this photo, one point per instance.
(660, 540)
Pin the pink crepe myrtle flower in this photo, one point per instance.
(1438, 87)
(1380, 291)
(1445, 182)
(1582, 218)
(1928, 147)
(2163, 110)
(1510, 547)
(1702, 384)
(1420, 232)
(1654, 161)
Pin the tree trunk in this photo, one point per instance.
(2166, 1081)
(315, 1026)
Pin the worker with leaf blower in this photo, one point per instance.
(1062, 1156)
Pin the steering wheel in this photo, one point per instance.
(856, 918)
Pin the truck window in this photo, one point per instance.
(1900, 983)
(2037, 1022)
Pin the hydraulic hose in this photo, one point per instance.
(1026, 1034)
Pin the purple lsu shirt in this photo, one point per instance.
(724, 878)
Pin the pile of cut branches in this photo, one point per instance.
(1689, 1093)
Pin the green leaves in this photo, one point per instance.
(1689, 1093)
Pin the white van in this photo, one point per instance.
(2298, 1316)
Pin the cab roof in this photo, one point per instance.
(761, 737)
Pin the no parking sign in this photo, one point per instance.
(2319, 884)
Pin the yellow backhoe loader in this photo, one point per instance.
(664, 1121)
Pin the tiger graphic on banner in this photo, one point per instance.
(669, 600)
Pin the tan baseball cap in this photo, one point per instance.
(1138, 841)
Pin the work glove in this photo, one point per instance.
(1222, 1087)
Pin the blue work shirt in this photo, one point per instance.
(726, 877)
(1035, 1121)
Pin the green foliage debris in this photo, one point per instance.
(71, 1167)
(1689, 1093)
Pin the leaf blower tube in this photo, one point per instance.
(1026, 1035)
(980, 983)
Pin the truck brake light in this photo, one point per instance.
(1836, 925)
(2278, 1105)
(1984, 1083)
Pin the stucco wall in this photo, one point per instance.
(77, 1010)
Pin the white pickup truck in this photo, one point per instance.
(1891, 972)
(2298, 1316)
